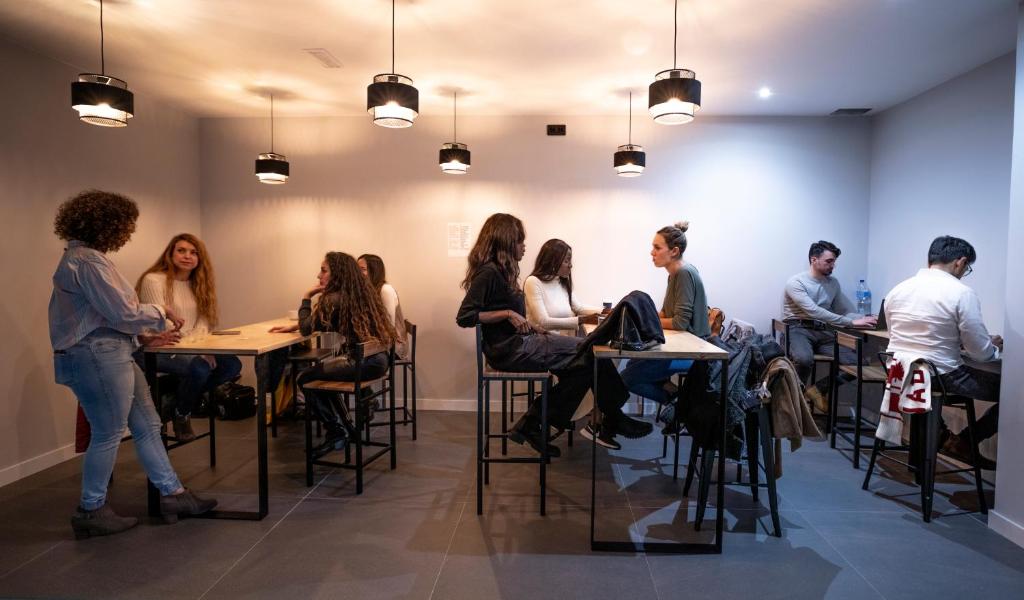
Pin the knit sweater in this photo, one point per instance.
(686, 303)
(182, 300)
(548, 305)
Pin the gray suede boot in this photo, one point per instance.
(102, 521)
(185, 504)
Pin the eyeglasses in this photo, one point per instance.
(969, 270)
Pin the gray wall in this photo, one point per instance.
(46, 155)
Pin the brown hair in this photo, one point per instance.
(496, 244)
(104, 221)
(374, 270)
(201, 280)
(549, 262)
(675, 236)
(350, 301)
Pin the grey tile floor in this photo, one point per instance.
(414, 532)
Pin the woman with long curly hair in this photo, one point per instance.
(347, 305)
(182, 278)
(94, 317)
(495, 301)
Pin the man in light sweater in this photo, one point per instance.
(934, 315)
(814, 300)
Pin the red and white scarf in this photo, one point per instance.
(908, 390)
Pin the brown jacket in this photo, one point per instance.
(791, 413)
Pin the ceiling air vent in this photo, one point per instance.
(324, 56)
(850, 112)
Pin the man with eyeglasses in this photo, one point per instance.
(813, 301)
(935, 316)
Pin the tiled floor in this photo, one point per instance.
(414, 532)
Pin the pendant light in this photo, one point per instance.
(270, 167)
(454, 157)
(674, 96)
(101, 99)
(630, 159)
(391, 98)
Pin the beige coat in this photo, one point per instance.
(791, 413)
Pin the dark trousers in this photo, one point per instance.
(979, 385)
(195, 376)
(805, 342)
(340, 368)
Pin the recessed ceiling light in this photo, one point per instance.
(764, 93)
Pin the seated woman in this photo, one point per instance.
(549, 300)
(685, 308)
(182, 278)
(372, 267)
(511, 343)
(348, 305)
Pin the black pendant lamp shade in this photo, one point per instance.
(674, 97)
(630, 159)
(454, 157)
(391, 99)
(272, 168)
(101, 99)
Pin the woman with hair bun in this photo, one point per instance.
(685, 308)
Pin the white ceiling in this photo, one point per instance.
(216, 57)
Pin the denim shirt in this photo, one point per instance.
(90, 293)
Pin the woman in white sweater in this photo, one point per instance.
(549, 300)
(182, 278)
(372, 267)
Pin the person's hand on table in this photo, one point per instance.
(313, 291)
(284, 329)
(173, 318)
(519, 322)
(868, 321)
(588, 319)
(998, 341)
(164, 338)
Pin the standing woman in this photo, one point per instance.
(685, 309)
(348, 305)
(511, 343)
(549, 299)
(182, 278)
(372, 266)
(94, 316)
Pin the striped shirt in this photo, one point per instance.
(90, 293)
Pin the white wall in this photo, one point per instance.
(940, 164)
(46, 155)
(1008, 516)
(757, 191)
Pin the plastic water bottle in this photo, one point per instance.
(863, 298)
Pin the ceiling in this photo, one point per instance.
(221, 57)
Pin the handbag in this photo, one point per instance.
(232, 401)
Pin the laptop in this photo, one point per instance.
(880, 325)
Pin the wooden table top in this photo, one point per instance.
(992, 366)
(254, 339)
(678, 344)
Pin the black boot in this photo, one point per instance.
(101, 521)
(527, 430)
(335, 438)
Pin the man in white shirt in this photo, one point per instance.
(935, 316)
(813, 300)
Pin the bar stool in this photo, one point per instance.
(923, 448)
(780, 333)
(870, 374)
(299, 360)
(408, 366)
(340, 391)
(485, 375)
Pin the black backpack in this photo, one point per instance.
(231, 401)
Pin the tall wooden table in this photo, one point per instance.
(252, 340)
(678, 345)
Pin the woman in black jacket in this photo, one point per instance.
(495, 301)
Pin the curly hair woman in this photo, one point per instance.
(495, 301)
(94, 317)
(182, 278)
(350, 306)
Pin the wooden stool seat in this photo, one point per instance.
(345, 387)
(868, 373)
(825, 358)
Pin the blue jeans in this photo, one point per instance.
(195, 376)
(645, 377)
(113, 393)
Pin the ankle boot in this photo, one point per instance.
(185, 504)
(334, 439)
(101, 521)
(183, 428)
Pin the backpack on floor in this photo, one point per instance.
(232, 401)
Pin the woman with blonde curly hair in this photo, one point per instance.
(349, 305)
(182, 278)
(94, 316)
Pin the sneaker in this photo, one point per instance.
(525, 431)
(602, 438)
(185, 504)
(101, 521)
(958, 447)
(818, 400)
(632, 428)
